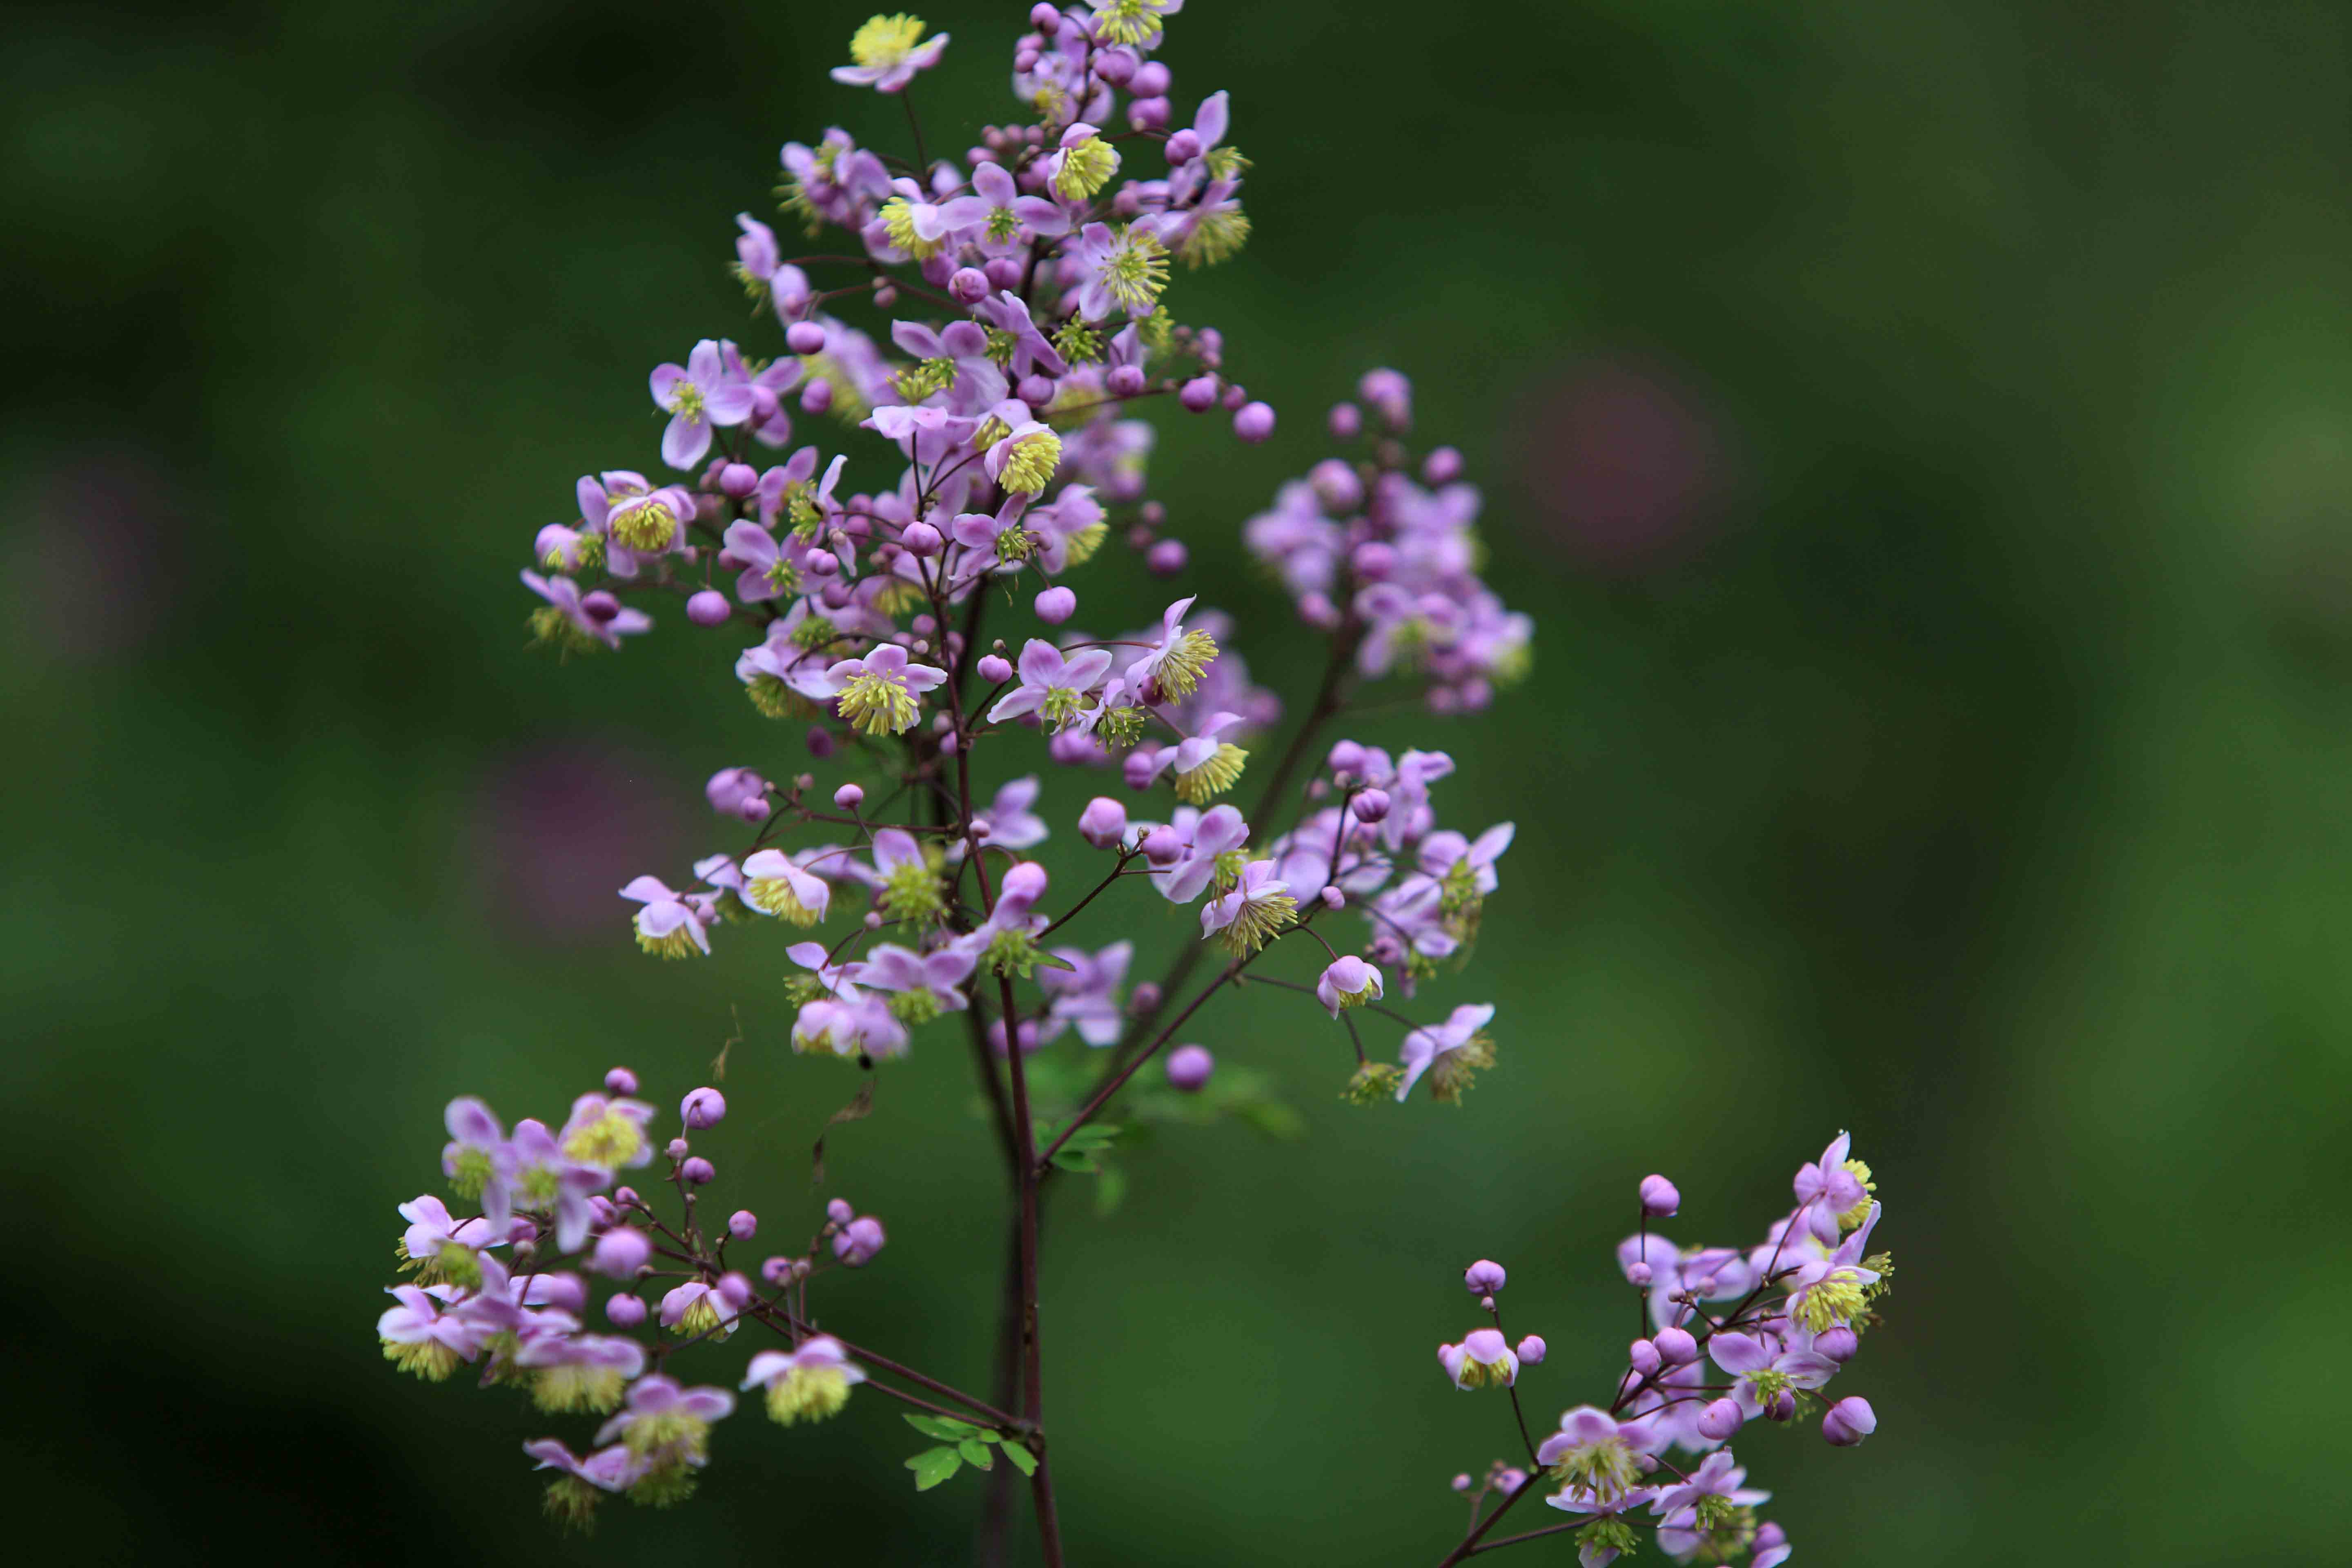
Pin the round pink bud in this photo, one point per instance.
(735, 1291)
(776, 1270)
(625, 1311)
(620, 1081)
(1044, 18)
(1103, 824)
(1659, 1198)
(1639, 1273)
(738, 480)
(1336, 486)
(1236, 398)
(678, 1148)
(1127, 381)
(885, 294)
(1485, 1303)
(1720, 1420)
(1531, 1349)
(1643, 1357)
(1055, 606)
(1333, 899)
(1183, 147)
(763, 408)
(1318, 611)
(707, 608)
(1441, 467)
(859, 1241)
(1374, 559)
(820, 563)
(742, 1224)
(1371, 805)
(620, 1252)
(1162, 846)
(819, 741)
(704, 1107)
(1461, 1483)
(1147, 113)
(839, 1212)
(1150, 80)
(1346, 422)
(1144, 998)
(849, 796)
(1483, 1278)
(1346, 757)
(920, 539)
(1837, 1342)
(1189, 1067)
(1166, 557)
(1199, 395)
(1036, 391)
(1116, 66)
(698, 1170)
(1002, 271)
(804, 338)
(1849, 1421)
(817, 396)
(600, 605)
(968, 285)
(625, 1198)
(1781, 1407)
(1676, 1346)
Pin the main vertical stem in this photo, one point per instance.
(1032, 1381)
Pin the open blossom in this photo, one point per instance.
(774, 885)
(1450, 1053)
(1482, 1360)
(1172, 664)
(1086, 995)
(441, 1244)
(885, 52)
(419, 1337)
(921, 987)
(1835, 1190)
(667, 926)
(569, 621)
(1346, 982)
(1011, 824)
(1596, 1453)
(697, 395)
(880, 692)
(1762, 1370)
(809, 1383)
(1053, 687)
(1258, 907)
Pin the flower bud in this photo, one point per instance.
(1150, 80)
(1147, 113)
(839, 1212)
(968, 285)
(1461, 1483)
(707, 608)
(620, 1081)
(1345, 421)
(1371, 805)
(804, 338)
(1837, 1342)
(1659, 1198)
(1199, 395)
(996, 668)
(1676, 1345)
(1103, 824)
(1116, 66)
(1720, 1420)
(1333, 899)
(1044, 18)
(1054, 606)
(817, 396)
(600, 605)
(1189, 1067)
(1781, 1406)
(1166, 557)
(1483, 1278)
(1531, 1349)
(1643, 1356)
(1002, 272)
(859, 1240)
(777, 1271)
(698, 1172)
(819, 741)
(1127, 381)
(849, 796)
(677, 1149)
(820, 563)
(1336, 486)
(625, 1311)
(1183, 147)
(1023, 886)
(1346, 757)
(742, 1224)
(705, 1107)
(1638, 1273)
(620, 1252)
(920, 539)
(1144, 998)
(1441, 467)
(1036, 391)
(1849, 1421)
(734, 1290)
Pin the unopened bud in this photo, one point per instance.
(742, 1224)
(705, 1107)
(698, 1172)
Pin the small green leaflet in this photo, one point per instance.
(1022, 1459)
(944, 1429)
(933, 1465)
(976, 1453)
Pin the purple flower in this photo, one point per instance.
(1346, 982)
(443, 1245)
(1835, 1190)
(1123, 268)
(419, 1337)
(1258, 907)
(476, 1159)
(774, 885)
(1598, 1455)
(1005, 218)
(1011, 824)
(697, 395)
(921, 986)
(1482, 1360)
(809, 1383)
(1849, 1421)
(567, 621)
(1052, 686)
(769, 572)
(1719, 1476)
(1086, 994)
(738, 792)
(548, 1182)
(668, 927)
(887, 55)
(1450, 1053)
(1211, 843)
(1032, 350)
(697, 1308)
(608, 1133)
(1174, 663)
(1763, 1371)
(667, 1424)
(580, 1372)
(880, 692)
(857, 1243)
(852, 1028)
(1483, 1278)
(613, 1469)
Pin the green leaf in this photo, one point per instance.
(1075, 1160)
(941, 1427)
(1022, 1459)
(977, 1454)
(1093, 1135)
(988, 1435)
(933, 1465)
(1110, 1190)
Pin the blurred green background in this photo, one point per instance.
(1924, 434)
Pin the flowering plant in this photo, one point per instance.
(1027, 289)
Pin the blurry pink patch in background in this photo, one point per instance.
(558, 829)
(95, 569)
(1625, 464)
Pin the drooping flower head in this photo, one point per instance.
(886, 52)
(811, 1384)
